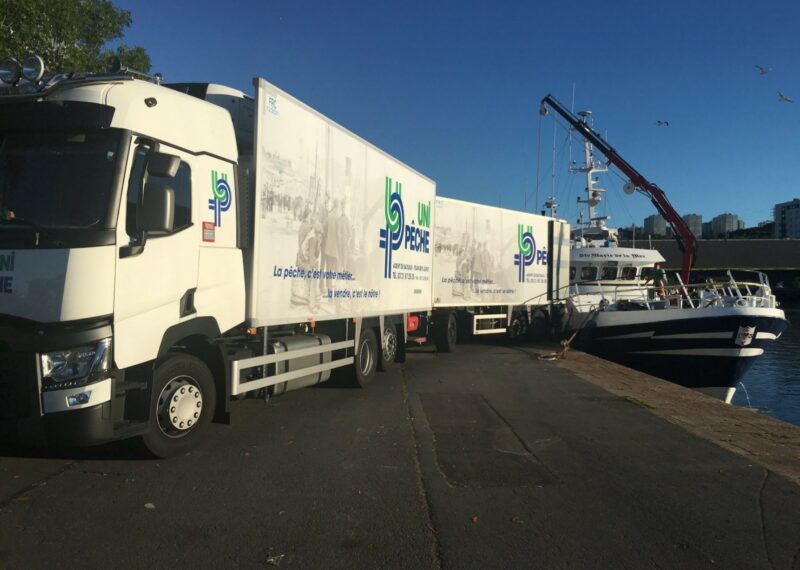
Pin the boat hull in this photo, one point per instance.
(706, 349)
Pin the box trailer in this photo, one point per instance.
(495, 271)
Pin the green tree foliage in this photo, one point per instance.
(70, 35)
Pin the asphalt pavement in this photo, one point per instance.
(484, 458)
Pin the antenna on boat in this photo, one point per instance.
(552, 206)
(590, 168)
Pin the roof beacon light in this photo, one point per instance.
(33, 68)
(10, 70)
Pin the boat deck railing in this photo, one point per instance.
(730, 293)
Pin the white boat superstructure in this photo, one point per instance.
(597, 262)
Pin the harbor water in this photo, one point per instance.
(772, 385)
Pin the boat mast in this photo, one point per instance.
(594, 194)
(683, 235)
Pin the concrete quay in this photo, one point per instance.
(484, 458)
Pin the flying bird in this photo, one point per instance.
(783, 98)
(661, 123)
(763, 70)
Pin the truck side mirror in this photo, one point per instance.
(162, 164)
(157, 210)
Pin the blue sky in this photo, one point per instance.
(452, 88)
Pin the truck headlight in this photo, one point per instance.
(76, 366)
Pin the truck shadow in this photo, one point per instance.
(120, 450)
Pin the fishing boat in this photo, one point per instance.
(703, 336)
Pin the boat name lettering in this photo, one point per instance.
(612, 255)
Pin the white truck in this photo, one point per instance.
(167, 250)
(495, 271)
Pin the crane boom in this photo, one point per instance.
(687, 243)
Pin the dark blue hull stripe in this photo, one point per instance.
(709, 357)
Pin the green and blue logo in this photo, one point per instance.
(396, 233)
(221, 196)
(527, 249)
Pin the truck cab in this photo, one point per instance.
(119, 255)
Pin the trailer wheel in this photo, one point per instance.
(539, 327)
(182, 402)
(447, 335)
(366, 359)
(389, 347)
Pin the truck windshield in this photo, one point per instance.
(57, 180)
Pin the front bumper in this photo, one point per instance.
(78, 428)
(32, 416)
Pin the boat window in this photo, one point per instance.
(572, 273)
(588, 273)
(647, 273)
(628, 273)
(609, 271)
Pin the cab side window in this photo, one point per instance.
(134, 190)
(572, 273)
(181, 184)
(629, 273)
(647, 273)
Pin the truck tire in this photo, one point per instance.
(389, 347)
(182, 402)
(447, 335)
(518, 327)
(367, 358)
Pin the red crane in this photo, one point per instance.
(683, 235)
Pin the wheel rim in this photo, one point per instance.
(389, 344)
(180, 405)
(365, 358)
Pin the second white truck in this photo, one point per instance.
(495, 271)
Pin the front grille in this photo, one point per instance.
(17, 384)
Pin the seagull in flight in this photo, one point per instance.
(783, 98)
(763, 70)
(661, 123)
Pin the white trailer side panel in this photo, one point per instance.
(489, 256)
(559, 259)
(325, 202)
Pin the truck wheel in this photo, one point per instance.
(182, 403)
(389, 347)
(447, 335)
(517, 328)
(366, 359)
